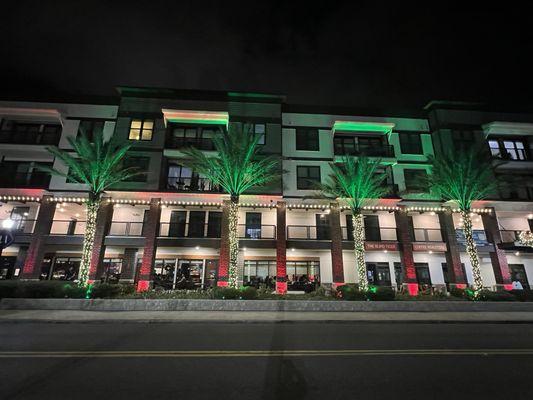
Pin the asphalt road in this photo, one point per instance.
(266, 361)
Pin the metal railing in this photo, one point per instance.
(427, 235)
(372, 234)
(68, 227)
(20, 137)
(120, 228)
(509, 236)
(24, 180)
(194, 184)
(188, 230)
(256, 231)
(308, 232)
(181, 142)
(22, 226)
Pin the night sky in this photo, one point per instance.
(334, 53)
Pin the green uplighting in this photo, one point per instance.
(360, 126)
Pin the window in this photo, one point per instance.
(29, 133)
(415, 180)
(253, 225)
(422, 274)
(308, 269)
(141, 164)
(260, 130)
(258, 271)
(410, 143)
(307, 177)
(307, 139)
(371, 146)
(463, 140)
(141, 129)
(201, 137)
(510, 149)
(90, 127)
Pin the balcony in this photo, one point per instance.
(187, 230)
(68, 227)
(193, 184)
(427, 235)
(372, 234)
(508, 236)
(22, 226)
(311, 232)
(120, 228)
(256, 231)
(183, 142)
(370, 151)
(24, 180)
(38, 138)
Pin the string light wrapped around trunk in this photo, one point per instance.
(471, 250)
(88, 242)
(233, 278)
(359, 249)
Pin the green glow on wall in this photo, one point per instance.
(360, 126)
(197, 117)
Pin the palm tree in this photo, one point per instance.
(236, 168)
(97, 164)
(464, 177)
(357, 181)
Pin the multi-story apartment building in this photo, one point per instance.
(163, 228)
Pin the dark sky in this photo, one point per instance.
(332, 53)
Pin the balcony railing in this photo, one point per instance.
(308, 232)
(21, 226)
(509, 236)
(20, 137)
(192, 185)
(384, 150)
(427, 235)
(181, 142)
(188, 230)
(372, 234)
(119, 228)
(256, 231)
(68, 227)
(24, 180)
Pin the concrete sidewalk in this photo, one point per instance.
(76, 316)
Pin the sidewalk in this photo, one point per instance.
(76, 316)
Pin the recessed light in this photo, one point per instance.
(431, 252)
(197, 247)
(517, 253)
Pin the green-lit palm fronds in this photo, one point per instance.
(463, 177)
(98, 164)
(355, 180)
(237, 166)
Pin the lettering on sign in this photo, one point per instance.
(429, 247)
(392, 246)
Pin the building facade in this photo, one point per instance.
(164, 228)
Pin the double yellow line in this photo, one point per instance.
(262, 353)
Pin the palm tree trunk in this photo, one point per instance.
(359, 248)
(93, 205)
(471, 250)
(233, 277)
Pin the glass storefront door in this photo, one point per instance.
(173, 273)
(378, 274)
(65, 268)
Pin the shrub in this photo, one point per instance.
(487, 295)
(249, 293)
(8, 289)
(459, 293)
(40, 289)
(105, 291)
(226, 293)
(381, 294)
(350, 292)
(522, 295)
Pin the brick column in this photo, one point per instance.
(281, 247)
(453, 256)
(337, 264)
(43, 224)
(150, 229)
(497, 257)
(103, 223)
(127, 275)
(223, 262)
(406, 251)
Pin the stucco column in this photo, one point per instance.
(497, 257)
(151, 229)
(127, 275)
(281, 247)
(453, 255)
(43, 224)
(103, 223)
(406, 251)
(337, 264)
(223, 262)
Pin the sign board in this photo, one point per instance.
(391, 246)
(480, 237)
(430, 246)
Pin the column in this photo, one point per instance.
(19, 262)
(127, 275)
(406, 251)
(223, 262)
(497, 256)
(281, 247)
(103, 223)
(453, 255)
(43, 224)
(337, 264)
(150, 229)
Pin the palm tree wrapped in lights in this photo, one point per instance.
(236, 168)
(97, 164)
(464, 177)
(357, 181)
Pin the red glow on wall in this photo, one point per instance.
(460, 285)
(281, 287)
(143, 286)
(222, 284)
(338, 284)
(412, 288)
(508, 286)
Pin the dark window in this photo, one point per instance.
(214, 224)
(307, 139)
(398, 274)
(422, 274)
(24, 174)
(141, 129)
(372, 232)
(518, 273)
(176, 226)
(349, 227)
(90, 128)
(322, 227)
(463, 140)
(29, 133)
(378, 274)
(415, 180)
(372, 146)
(410, 143)
(201, 137)
(141, 164)
(196, 224)
(260, 130)
(307, 177)
(508, 149)
(253, 225)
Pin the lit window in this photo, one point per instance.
(141, 129)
